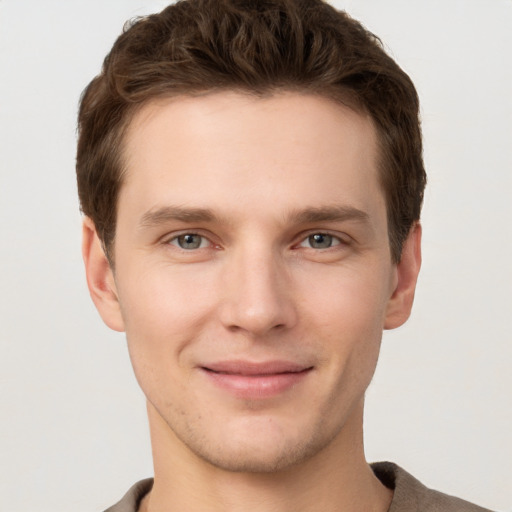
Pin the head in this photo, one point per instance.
(259, 48)
(253, 170)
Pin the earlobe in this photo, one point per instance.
(400, 304)
(100, 278)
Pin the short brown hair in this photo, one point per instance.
(260, 47)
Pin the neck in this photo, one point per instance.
(337, 478)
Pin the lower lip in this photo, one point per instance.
(254, 387)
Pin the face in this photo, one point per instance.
(253, 274)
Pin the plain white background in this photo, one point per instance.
(73, 432)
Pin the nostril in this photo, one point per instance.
(237, 328)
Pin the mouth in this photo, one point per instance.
(248, 380)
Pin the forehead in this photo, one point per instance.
(224, 149)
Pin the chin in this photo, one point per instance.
(256, 460)
(262, 453)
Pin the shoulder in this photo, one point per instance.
(411, 495)
(131, 500)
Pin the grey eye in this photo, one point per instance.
(320, 241)
(189, 241)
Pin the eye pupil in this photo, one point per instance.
(320, 241)
(189, 241)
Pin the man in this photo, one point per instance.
(251, 178)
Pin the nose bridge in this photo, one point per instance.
(257, 298)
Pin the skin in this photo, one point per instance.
(251, 181)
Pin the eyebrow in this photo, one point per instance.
(159, 216)
(154, 218)
(329, 214)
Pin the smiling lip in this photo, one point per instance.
(256, 380)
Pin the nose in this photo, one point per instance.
(258, 294)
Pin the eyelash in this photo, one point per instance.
(176, 239)
(335, 240)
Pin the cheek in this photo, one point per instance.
(347, 299)
(166, 298)
(346, 318)
(164, 311)
(343, 320)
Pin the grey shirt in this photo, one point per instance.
(410, 495)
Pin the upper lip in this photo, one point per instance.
(239, 367)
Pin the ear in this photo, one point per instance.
(400, 304)
(100, 277)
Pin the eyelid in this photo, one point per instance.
(335, 241)
(177, 239)
(342, 238)
(170, 237)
